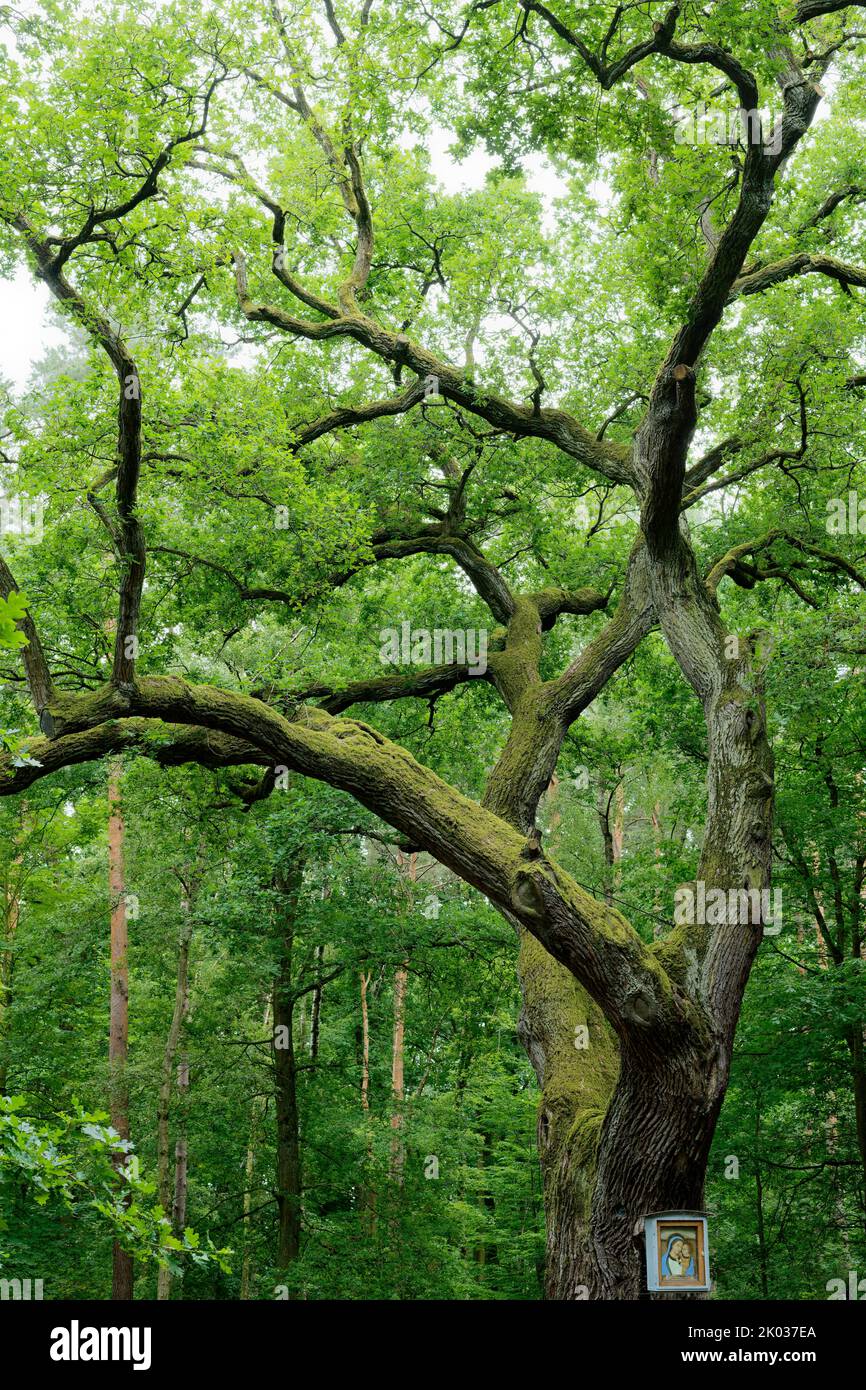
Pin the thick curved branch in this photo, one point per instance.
(552, 603)
(587, 936)
(710, 461)
(813, 9)
(730, 562)
(802, 263)
(428, 684)
(599, 661)
(663, 44)
(762, 160)
(557, 426)
(543, 711)
(346, 416)
(128, 535)
(830, 204)
(385, 544)
(169, 745)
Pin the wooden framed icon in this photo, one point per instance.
(677, 1252)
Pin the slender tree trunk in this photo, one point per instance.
(256, 1111)
(602, 806)
(854, 1039)
(368, 1194)
(657, 854)
(610, 807)
(118, 1046)
(834, 947)
(289, 1170)
(365, 1044)
(172, 1195)
(167, 1189)
(759, 1206)
(397, 1084)
(316, 1019)
(398, 1095)
(486, 1252)
(7, 959)
(618, 835)
(11, 915)
(181, 1148)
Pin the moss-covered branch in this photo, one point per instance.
(591, 939)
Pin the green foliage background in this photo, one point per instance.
(601, 270)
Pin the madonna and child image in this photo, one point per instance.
(677, 1256)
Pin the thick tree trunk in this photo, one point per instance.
(122, 1271)
(576, 1059)
(624, 1125)
(652, 1156)
(622, 1132)
(626, 1120)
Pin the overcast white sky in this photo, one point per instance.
(27, 332)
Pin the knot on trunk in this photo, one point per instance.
(527, 898)
(640, 1008)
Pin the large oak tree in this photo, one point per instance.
(589, 419)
